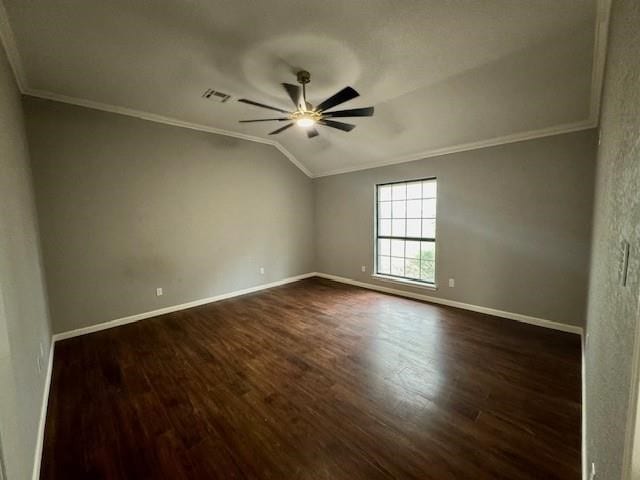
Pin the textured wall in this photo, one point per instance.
(127, 205)
(612, 308)
(514, 224)
(24, 324)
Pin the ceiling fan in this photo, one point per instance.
(308, 116)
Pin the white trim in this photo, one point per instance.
(597, 77)
(152, 117)
(464, 147)
(37, 459)
(633, 405)
(400, 281)
(134, 318)
(540, 322)
(599, 58)
(174, 308)
(597, 80)
(293, 159)
(583, 409)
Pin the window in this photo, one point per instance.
(406, 230)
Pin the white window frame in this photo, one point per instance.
(396, 278)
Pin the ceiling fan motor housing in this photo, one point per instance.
(304, 77)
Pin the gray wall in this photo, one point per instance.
(514, 224)
(611, 320)
(23, 314)
(127, 205)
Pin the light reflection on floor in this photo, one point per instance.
(405, 356)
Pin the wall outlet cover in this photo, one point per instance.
(452, 282)
(159, 292)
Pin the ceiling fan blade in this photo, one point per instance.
(354, 112)
(346, 127)
(251, 102)
(281, 129)
(312, 132)
(294, 93)
(265, 120)
(344, 95)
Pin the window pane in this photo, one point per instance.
(399, 192)
(429, 208)
(384, 228)
(414, 190)
(398, 227)
(399, 209)
(397, 248)
(384, 246)
(427, 271)
(413, 227)
(412, 268)
(397, 266)
(407, 210)
(414, 208)
(427, 251)
(412, 249)
(429, 228)
(384, 193)
(384, 210)
(384, 265)
(429, 189)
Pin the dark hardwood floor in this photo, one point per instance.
(316, 380)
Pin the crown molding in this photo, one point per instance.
(597, 77)
(597, 80)
(599, 58)
(152, 117)
(465, 147)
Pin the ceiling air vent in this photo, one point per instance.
(212, 94)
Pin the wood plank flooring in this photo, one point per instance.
(316, 380)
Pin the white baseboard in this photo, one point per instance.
(174, 308)
(37, 460)
(123, 321)
(583, 410)
(540, 322)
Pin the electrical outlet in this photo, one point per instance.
(159, 292)
(452, 282)
(261, 270)
(592, 473)
(363, 268)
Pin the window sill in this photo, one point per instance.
(408, 283)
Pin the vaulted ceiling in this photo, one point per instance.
(443, 76)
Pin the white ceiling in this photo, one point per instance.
(441, 74)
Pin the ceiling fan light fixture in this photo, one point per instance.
(306, 115)
(305, 118)
(305, 121)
